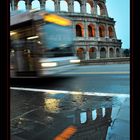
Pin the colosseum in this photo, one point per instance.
(95, 35)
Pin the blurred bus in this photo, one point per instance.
(41, 44)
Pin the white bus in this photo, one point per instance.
(41, 44)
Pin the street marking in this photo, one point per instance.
(113, 72)
(70, 92)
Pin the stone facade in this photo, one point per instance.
(95, 35)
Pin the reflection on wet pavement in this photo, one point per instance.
(45, 116)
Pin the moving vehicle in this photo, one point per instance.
(41, 44)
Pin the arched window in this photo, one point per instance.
(35, 5)
(102, 31)
(77, 7)
(49, 5)
(90, 34)
(103, 110)
(88, 8)
(110, 30)
(103, 53)
(117, 52)
(92, 53)
(83, 117)
(79, 30)
(80, 53)
(94, 114)
(101, 10)
(21, 5)
(98, 10)
(91, 30)
(111, 52)
(63, 6)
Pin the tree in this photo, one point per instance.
(126, 52)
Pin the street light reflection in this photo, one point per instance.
(52, 105)
(78, 98)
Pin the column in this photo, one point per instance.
(108, 112)
(95, 8)
(57, 6)
(77, 117)
(83, 7)
(97, 30)
(15, 5)
(115, 36)
(85, 30)
(42, 4)
(12, 5)
(99, 113)
(98, 54)
(107, 53)
(71, 7)
(87, 53)
(114, 51)
(107, 32)
(28, 5)
(89, 115)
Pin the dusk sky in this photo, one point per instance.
(120, 11)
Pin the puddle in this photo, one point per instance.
(42, 116)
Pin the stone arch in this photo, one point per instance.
(111, 52)
(110, 30)
(83, 117)
(91, 30)
(103, 52)
(102, 31)
(79, 30)
(101, 9)
(64, 5)
(35, 4)
(77, 6)
(49, 5)
(89, 6)
(81, 53)
(92, 53)
(103, 112)
(94, 114)
(117, 52)
(21, 5)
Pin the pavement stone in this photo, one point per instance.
(120, 129)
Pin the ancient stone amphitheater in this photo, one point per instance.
(95, 35)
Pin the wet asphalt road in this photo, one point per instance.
(44, 114)
(98, 78)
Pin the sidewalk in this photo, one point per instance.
(120, 128)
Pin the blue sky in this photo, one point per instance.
(117, 9)
(120, 11)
